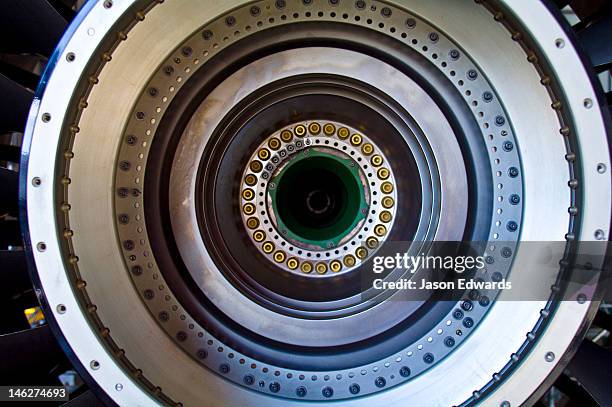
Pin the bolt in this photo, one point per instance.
(327, 392)
(380, 382)
(274, 387)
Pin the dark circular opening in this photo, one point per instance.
(313, 97)
(317, 198)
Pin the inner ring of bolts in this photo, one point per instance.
(376, 210)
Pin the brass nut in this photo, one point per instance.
(383, 173)
(279, 256)
(306, 267)
(274, 143)
(335, 266)
(388, 202)
(329, 129)
(300, 130)
(268, 247)
(385, 216)
(248, 194)
(321, 268)
(356, 139)
(292, 263)
(349, 260)
(252, 223)
(367, 149)
(343, 133)
(361, 253)
(250, 180)
(372, 242)
(248, 209)
(286, 136)
(386, 187)
(256, 166)
(314, 128)
(376, 160)
(259, 236)
(380, 230)
(263, 154)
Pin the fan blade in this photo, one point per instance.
(32, 26)
(14, 105)
(574, 391)
(10, 153)
(603, 320)
(24, 78)
(28, 356)
(10, 234)
(9, 184)
(560, 3)
(87, 399)
(586, 9)
(592, 367)
(67, 8)
(596, 39)
(15, 278)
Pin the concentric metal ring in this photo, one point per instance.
(332, 256)
(93, 184)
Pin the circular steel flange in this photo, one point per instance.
(375, 211)
(95, 265)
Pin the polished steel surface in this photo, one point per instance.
(95, 237)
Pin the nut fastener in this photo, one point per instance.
(263, 154)
(383, 173)
(386, 187)
(377, 160)
(321, 268)
(248, 209)
(367, 149)
(380, 230)
(248, 194)
(385, 216)
(292, 263)
(300, 130)
(250, 180)
(329, 129)
(306, 267)
(279, 256)
(372, 242)
(314, 128)
(361, 253)
(335, 266)
(259, 236)
(253, 223)
(343, 132)
(286, 136)
(256, 166)
(268, 247)
(349, 260)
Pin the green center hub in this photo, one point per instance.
(318, 198)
